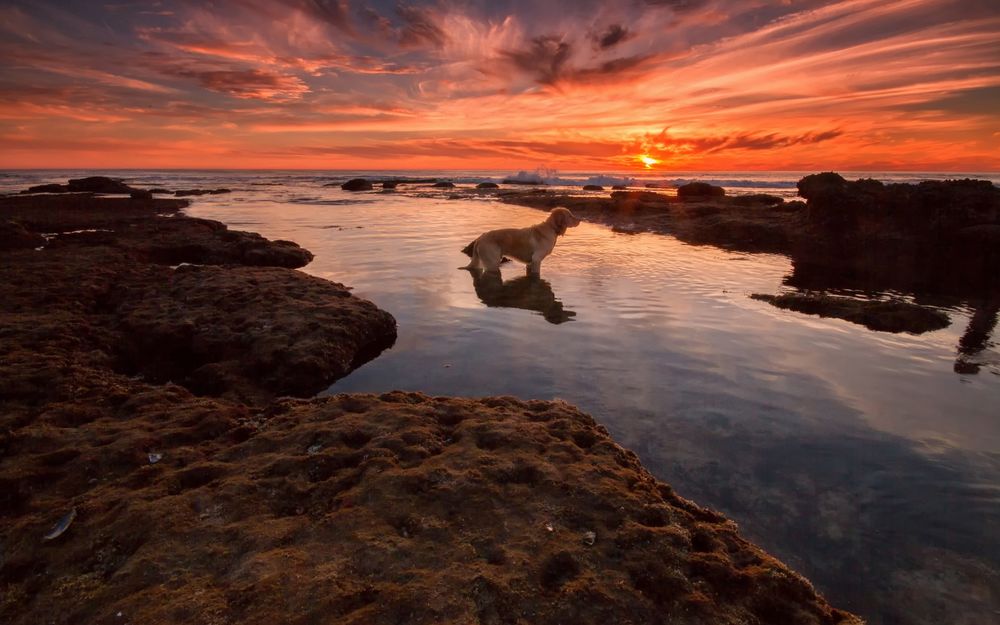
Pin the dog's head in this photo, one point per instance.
(560, 219)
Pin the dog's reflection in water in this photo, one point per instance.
(529, 292)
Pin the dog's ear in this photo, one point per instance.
(559, 221)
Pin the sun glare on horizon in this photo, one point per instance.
(647, 160)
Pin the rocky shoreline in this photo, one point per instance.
(153, 468)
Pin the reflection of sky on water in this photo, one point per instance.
(858, 457)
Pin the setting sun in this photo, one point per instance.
(648, 160)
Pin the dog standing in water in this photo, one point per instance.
(529, 245)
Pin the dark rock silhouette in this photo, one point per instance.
(444, 185)
(47, 188)
(761, 199)
(98, 184)
(618, 187)
(699, 190)
(592, 187)
(524, 182)
(487, 185)
(14, 236)
(357, 184)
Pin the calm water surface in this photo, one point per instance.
(859, 458)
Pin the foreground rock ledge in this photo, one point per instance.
(399, 508)
(402, 508)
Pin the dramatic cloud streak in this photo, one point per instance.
(697, 84)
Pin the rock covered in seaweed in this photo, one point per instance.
(363, 508)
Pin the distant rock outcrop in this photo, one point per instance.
(444, 185)
(487, 185)
(693, 190)
(187, 192)
(357, 184)
(592, 187)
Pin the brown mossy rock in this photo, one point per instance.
(230, 331)
(698, 190)
(14, 236)
(94, 293)
(357, 184)
(882, 316)
(399, 508)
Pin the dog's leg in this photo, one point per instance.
(475, 263)
(489, 255)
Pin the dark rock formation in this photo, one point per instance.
(246, 332)
(592, 187)
(618, 187)
(697, 190)
(47, 188)
(487, 185)
(91, 184)
(444, 185)
(257, 329)
(161, 191)
(98, 184)
(641, 196)
(758, 199)
(389, 184)
(357, 184)
(13, 236)
(141, 194)
(883, 316)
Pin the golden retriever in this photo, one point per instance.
(529, 245)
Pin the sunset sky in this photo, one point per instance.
(508, 84)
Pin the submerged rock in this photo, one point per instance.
(487, 185)
(444, 185)
(592, 187)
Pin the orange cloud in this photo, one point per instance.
(719, 84)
